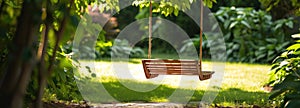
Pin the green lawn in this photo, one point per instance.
(241, 84)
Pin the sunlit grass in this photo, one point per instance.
(241, 84)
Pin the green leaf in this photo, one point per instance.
(288, 83)
(215, 26)
(278, 26)
(276, 93)
(260, 57)
(295, 103)
(226, 24)
(62, 75)
(233, 24)
(296, 36)
(294, 47)
(246, 24)
(93, 75)
(176, 11)
(290, 24)
(271, 40)
(274, 66)
(221, 18)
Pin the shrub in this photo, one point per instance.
(285, 77)
(252, 36)
(121, 48)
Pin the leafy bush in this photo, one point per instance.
(195, 42)
(61, 84)
(285, 77)
(118, 48)
(237, 3)
(89, 42)
(252, 36)
(121, 48)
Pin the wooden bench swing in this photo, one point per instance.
(155, 67)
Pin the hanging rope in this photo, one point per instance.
(200, 37)
(151, 73)
(150, 30)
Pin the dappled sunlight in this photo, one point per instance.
(124, 70)
(245, 76)
(241, 83)
(248, 77)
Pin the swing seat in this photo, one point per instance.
(155, 67)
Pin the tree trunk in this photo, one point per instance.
(42, 68)
(21, 56)
(43, 73)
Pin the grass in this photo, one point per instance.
(241, 84)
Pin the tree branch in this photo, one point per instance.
(59, 34)
(42, 67)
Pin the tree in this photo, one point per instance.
(19, 68)
(24, 56)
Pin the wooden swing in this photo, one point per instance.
(155, 67)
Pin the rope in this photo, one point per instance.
(150, 30)
(200, 37)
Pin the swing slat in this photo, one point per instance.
(155, 67)
(162, 72)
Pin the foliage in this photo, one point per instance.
(121, 48)
(118, 48)
(236, 3)
(102, 47)
(129, 12)
(285, 77)
(161, 46)
(46, 23)
(168, 7)
(167, 10)
(61, 84)
(252, 36)
(61, 81)
(195, 42)
(106, 5)
(282, 8)
(8, 11)
(270, 4)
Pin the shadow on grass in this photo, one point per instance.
(114, 91)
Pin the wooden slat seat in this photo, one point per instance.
(155, 67)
